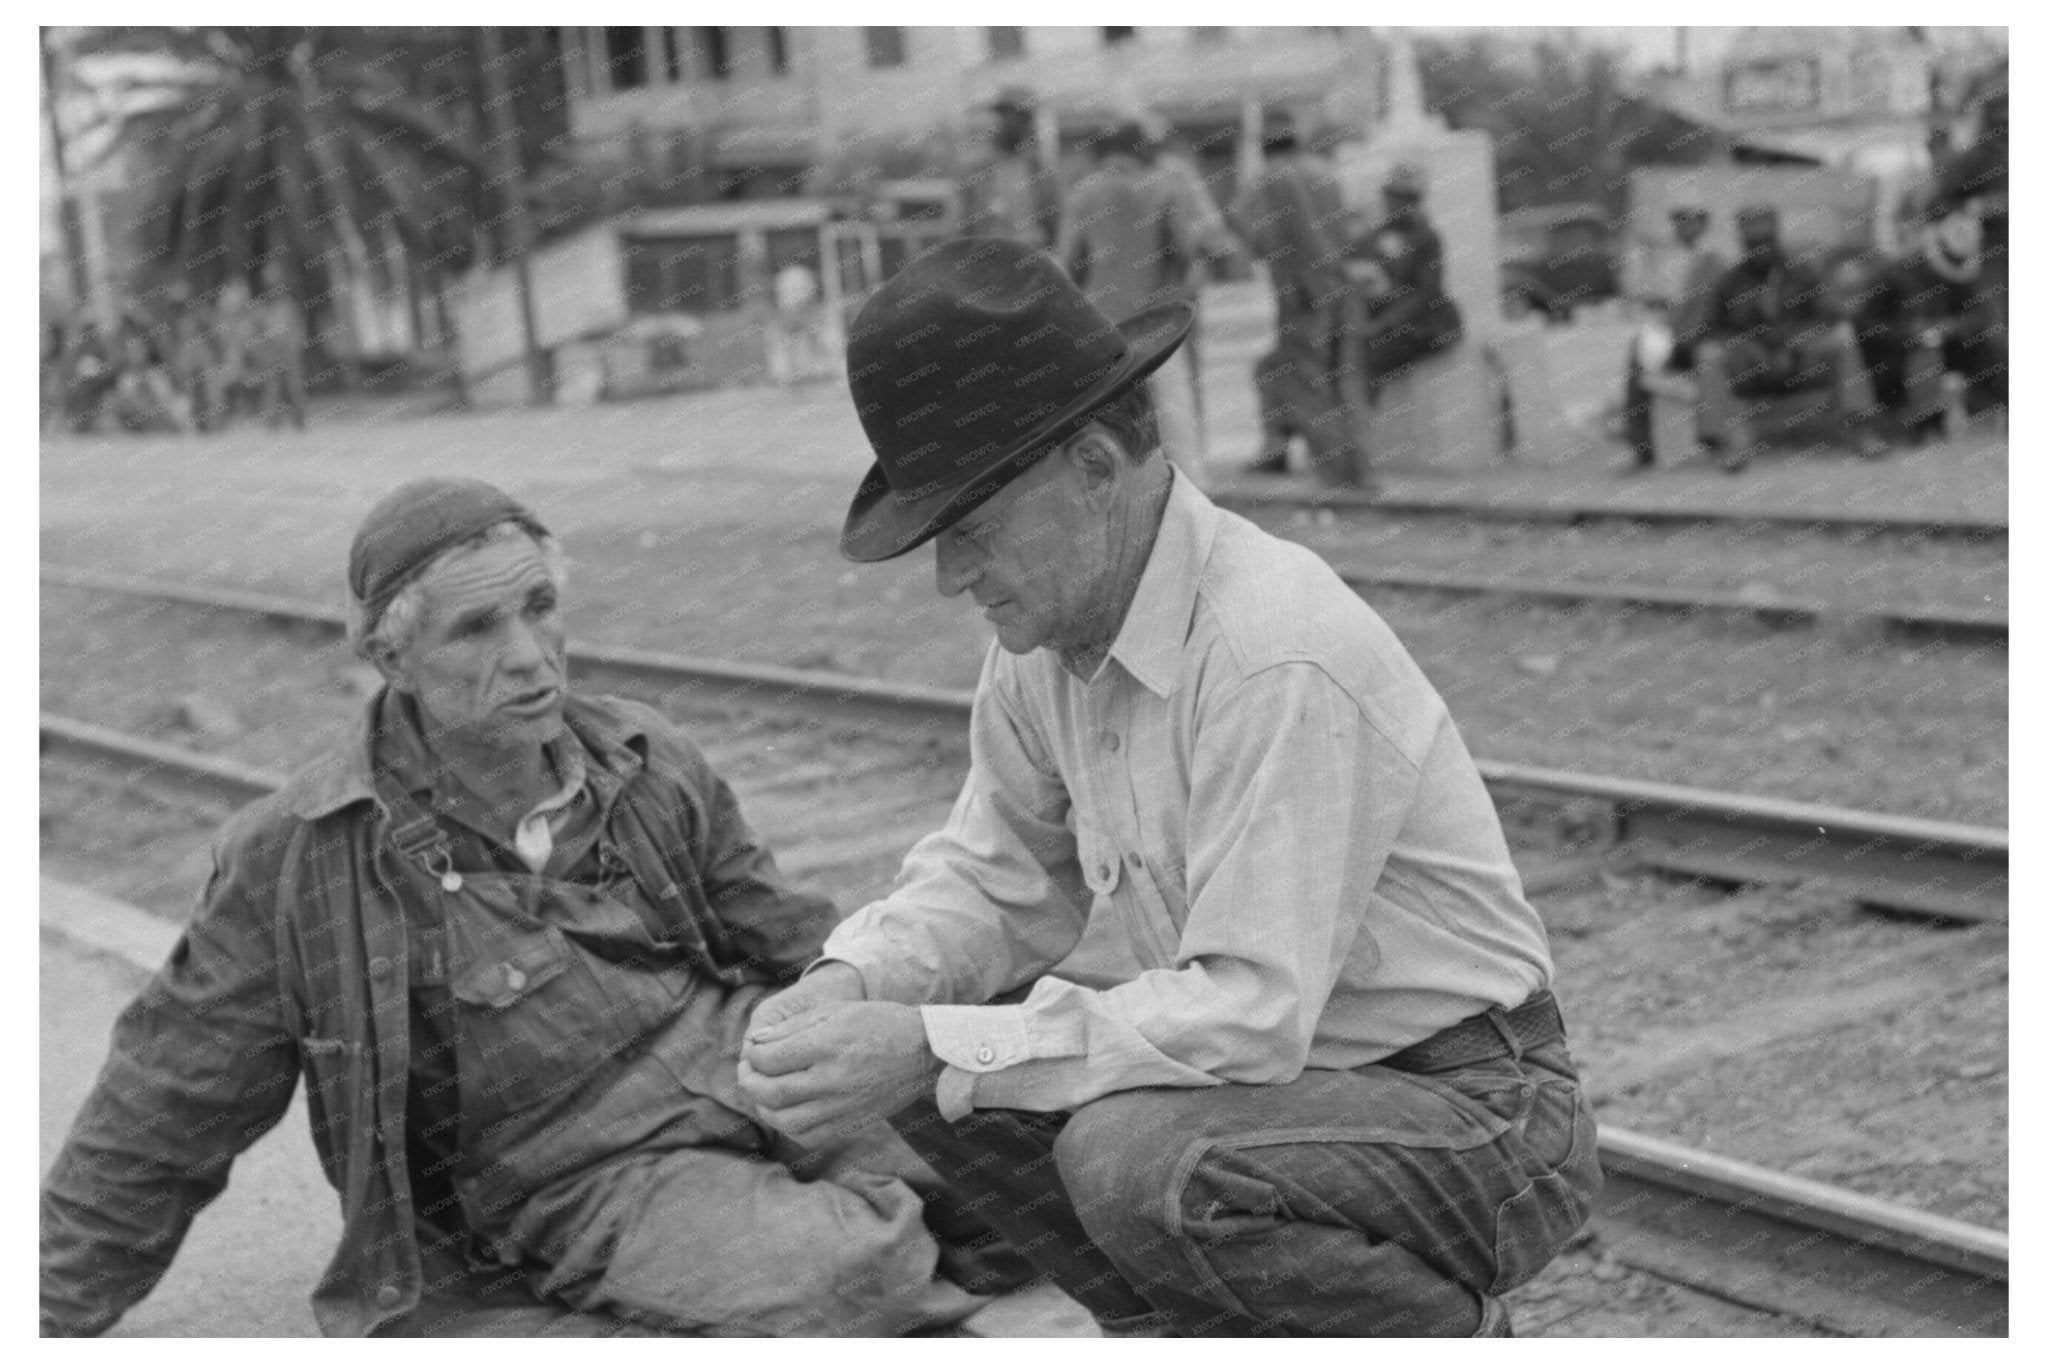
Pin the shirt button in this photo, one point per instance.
(380, 967)
(515, 978)
(1111, 742)
(1134, 859)
(985, 1055)
(388, 1297)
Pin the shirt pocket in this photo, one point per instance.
(1120, 876)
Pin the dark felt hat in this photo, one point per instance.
(413, 523)
(966, 367)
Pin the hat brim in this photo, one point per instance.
(882, 524)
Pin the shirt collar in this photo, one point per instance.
(614, 745)
(1155, 629)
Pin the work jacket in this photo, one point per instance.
(296, 961)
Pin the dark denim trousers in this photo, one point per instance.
(1349, 1203)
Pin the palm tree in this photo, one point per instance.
(343, 157)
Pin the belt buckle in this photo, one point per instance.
(1498, 1017)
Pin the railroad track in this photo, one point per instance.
(1837, 1259)
(1260, 494)
(1951, 623)
(1914, 866)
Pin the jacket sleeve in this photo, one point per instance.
(764, 923)
(202, 1064)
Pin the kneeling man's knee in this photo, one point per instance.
(1121, 1159)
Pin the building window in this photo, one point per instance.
(714, 47)
(682, 274)
(672, 54)
(1004, 43)
(1211, 34)
(1112, 36)
(778, 51)
(885, 46)
(625, 56)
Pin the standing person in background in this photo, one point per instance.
(1292, 218)
(277, 354)
(197, 361)
(1208, 240)
(1676, 288)
(1931, 314)
(1120, 233)
(1978, 174)
(1007, 192)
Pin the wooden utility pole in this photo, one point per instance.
(510, 174)
(68, 221)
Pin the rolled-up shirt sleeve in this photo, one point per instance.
(989, 902)
(1296, 800)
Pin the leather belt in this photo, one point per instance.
(1491, 1036)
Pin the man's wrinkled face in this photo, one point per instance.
(488, 666)
(1027, 559)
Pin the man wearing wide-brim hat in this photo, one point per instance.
(1304, 1073)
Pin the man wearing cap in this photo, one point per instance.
(1292, 218)
(509, 935)
(1217, 994)
(1769, 331)
(1007, 193)
(1408, 315)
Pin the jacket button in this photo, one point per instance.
(1103, 870)
(1111, 742)
(380, 967)
(515, 978)
(985, 1055)
(389, 1296)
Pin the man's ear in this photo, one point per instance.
(388, 663)
(1099, 458)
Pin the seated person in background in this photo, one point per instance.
(1931, 314)
(1399, 267)
(510, 935)
(1770, 331)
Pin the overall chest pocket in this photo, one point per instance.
(537, 1022)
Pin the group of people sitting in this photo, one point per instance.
(188, 364)
(1885, 340)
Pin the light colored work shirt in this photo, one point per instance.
(1259, 813)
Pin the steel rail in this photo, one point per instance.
(1840, 1259)
(1913, 866)
(1957, 624)
(1239, 497)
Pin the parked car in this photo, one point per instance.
(1556, 258)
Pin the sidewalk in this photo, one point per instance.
(253, 1257)
(1956, 484)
